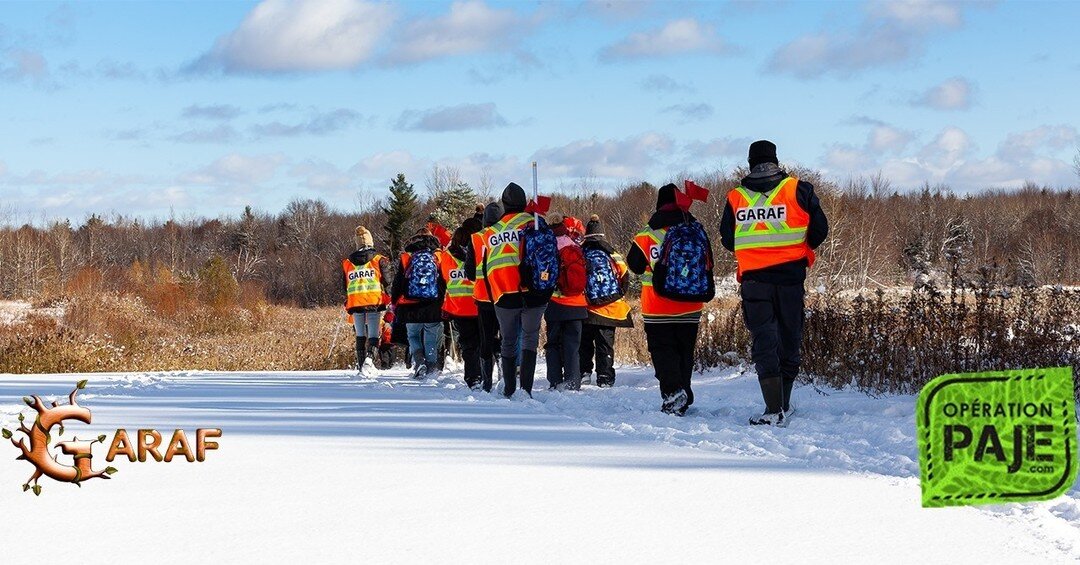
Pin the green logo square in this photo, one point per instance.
(994, 437)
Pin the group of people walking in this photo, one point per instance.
(513, 266)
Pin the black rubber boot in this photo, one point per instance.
(788, 385)
(487, 369)
(772, 392)
(509, 367)
(361, 352)
(528, 369)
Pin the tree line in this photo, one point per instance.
(879, 237)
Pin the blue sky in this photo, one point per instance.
(188, 108)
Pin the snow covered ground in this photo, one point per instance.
(321, 467)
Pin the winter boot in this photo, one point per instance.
(772, 392)
(509, 366)
(675, 403)
(528, 369)
(572, 382)
(368, 366)
(361, 353)
(419, 368)
(769, 419)
(586, 379)
(487, 371)
(789, 384)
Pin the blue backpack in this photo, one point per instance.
(601, 281)
(539, 265)
(684, 269)
(422, 277)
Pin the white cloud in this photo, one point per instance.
(470, 26)
(616, 9)
(885, 138)
(677, 37)
(953, 94)
(1024, 144)
(951, 159)
(664, 83)
(302, 35)
(891, 32)
(622, 159)
(219, 134)
(690, 112)
(211, 111)
(719, 147)
(319, 123)
(236, 169)
(453, 118)
(23, 64)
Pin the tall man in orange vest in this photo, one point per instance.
(518, 310)
(367, 285)
(773, 222)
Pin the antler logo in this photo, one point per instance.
(40, 436)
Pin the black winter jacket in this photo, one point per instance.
(361, 257)
(422, 313)
(792, 272)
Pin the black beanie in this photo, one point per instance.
(666, 195)
(513, 198)
(594, 227)
(493, 212)
(762, 151)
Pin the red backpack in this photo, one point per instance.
(571, 271)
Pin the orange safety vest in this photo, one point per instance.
(364, 288)
(770, 227)
(459, 289)
(619, 309)
(503, 249)
(405, 257)
(480, 288)
(656, 308)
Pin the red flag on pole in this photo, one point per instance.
(683, 201)
(539, 206)
(440, 233)
(696, 192)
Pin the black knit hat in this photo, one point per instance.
(493, 212)
(513, 198)
(593, 226)
(762, 151)
(666, 195)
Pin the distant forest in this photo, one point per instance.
(879, 237)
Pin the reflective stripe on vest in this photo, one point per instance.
(364, 288)
(770, 228)
(459, 289)
(502, 245)
(656, 308)
(480, 288)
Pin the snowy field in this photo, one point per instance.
(324, 468)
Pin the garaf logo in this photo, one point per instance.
(40, 435)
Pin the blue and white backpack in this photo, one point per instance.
(539, 266)
(684, 269)
(601, 280)
(422, 277)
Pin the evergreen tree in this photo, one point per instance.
(400, 210)
(454, 204)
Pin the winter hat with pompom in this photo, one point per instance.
(594, 227)
(363, 238)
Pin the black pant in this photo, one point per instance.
(774, 316)
(671, 347)
(490, 344)
(562, 348)
(468, 342)
(598, 341)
